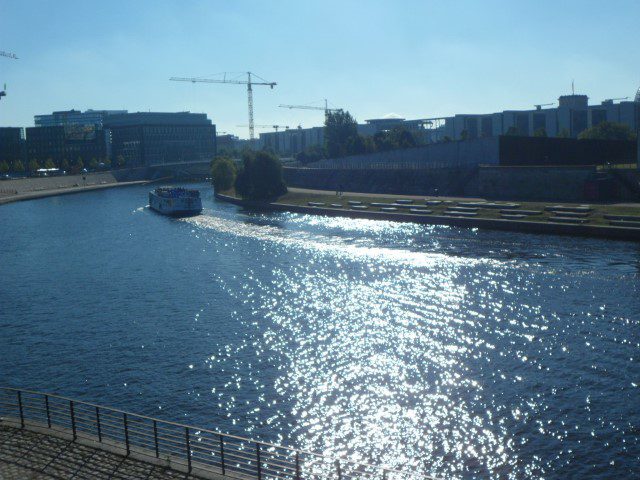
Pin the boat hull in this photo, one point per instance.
(175, 207)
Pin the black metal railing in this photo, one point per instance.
(182, 447)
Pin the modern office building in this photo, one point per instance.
(70, 143)
(291, 141)
(159, 138)
(11, 144)
(228, 144)
(572, 116)
(75, 117)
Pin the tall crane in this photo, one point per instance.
(3, 92)
(275, 127)
(248, 82)
(616, 99)
(326, 108)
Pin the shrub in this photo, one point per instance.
(223, 174)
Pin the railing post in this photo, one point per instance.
(338, 470)
(186, 436)
(126, 432)
(73, 420)
(384, 474)
(98, 424)
(155, 438)
(297, 465)
(258, 460)
(222, 452)
(46, 404)
(20, 408)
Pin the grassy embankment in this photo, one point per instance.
(595, 217)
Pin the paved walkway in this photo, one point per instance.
(28, 455)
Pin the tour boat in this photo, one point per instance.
(175, 201)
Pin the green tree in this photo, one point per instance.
(18, 167)
(540, 132)
(394, 139)
(403, 138)
(120, 161)
(340, 130)
(223, 174)
(64, 165)
(107, 162)
(260, 177)
(608, 131)
(78, 166)
(4, 167)
(311, 154)
(49, 163)
(93, 163)
(512, 132)
(563, 133)
(33, 166)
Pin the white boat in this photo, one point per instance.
(175, 201)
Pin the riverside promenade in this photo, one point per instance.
(45, 436)
(26, 454)
(38, 187)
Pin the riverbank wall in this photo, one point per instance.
(445, 181)
(527, 183)
(594, 231)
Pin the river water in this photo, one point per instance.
(460, 353)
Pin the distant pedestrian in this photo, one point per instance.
(340, 190)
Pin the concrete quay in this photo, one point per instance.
(39, 453)
(26, 454)
(32, 188)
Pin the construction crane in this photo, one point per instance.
(540, 105)
(248, 82)
(3, 92)
(326, 108)
(615, 99)
(275, 127)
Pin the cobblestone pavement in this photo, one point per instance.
(26, 455)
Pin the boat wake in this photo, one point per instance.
(351, 247)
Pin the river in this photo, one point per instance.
(457, 352)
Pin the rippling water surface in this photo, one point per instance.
(458, 353)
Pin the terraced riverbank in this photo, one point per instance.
(614, 221)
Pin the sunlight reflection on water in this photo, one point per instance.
(461, 353)
(409, 358)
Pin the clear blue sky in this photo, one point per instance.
(414, 58)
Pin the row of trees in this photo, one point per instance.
(74, 166)
(602, 131)
(259, 177)
(342, 138)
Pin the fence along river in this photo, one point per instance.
(454, 353)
